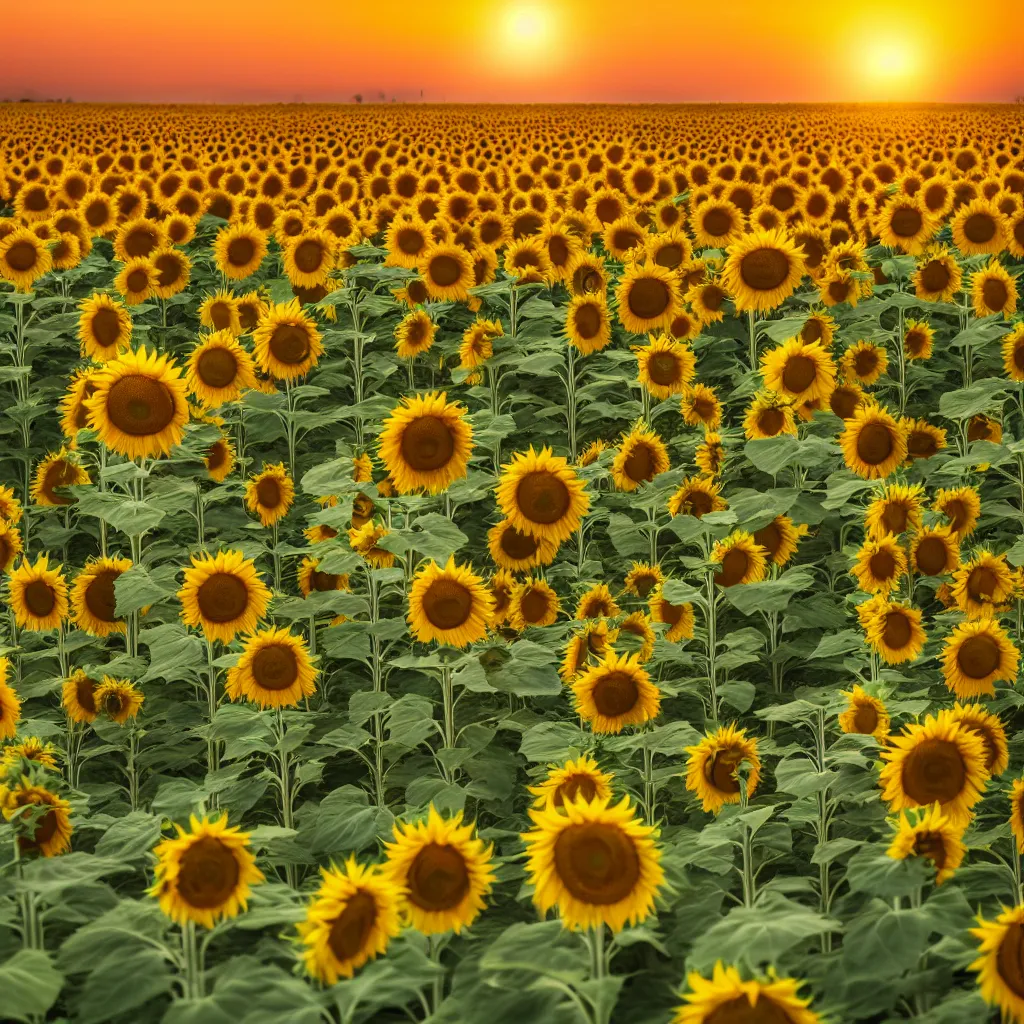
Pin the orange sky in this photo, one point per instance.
(514, 50)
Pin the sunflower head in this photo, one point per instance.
(873, 442)
(726, 997)
(38, 595)
(270, 493)
(641, 456)
(542, 495)
(762, 270)
(275, 670)
(864, 714)
(976, 655)
(219, 369)
(581, 779)
(41, 818)
(711, 770)
(615, 693)
(740, 558)
(449, 604)
(104, 327)
(57, 471)
(648, 298)
(665, 366)
(223, 595)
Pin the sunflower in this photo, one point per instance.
(937, 761)
(205, 874)
(993, 291)
(641, 456)
(780, 538)
(136, 280)
(414, 334)
(864, 362)
(585, 645)
(93, 600)
(502, 584)
(593, 451)
(918, 336)
(638, 624)
(700, 406)
(447, 272)
(1017, 812)
(406, 240)
(118, 699)
(24, 258)
(223, 595)
(10, 545)
(648, 298)
(138, 237)
(596, 603)
(219, 369)
(979, 228)
(353, 917)
(670, 249)
(588, 324)
(451, 605)
(173, 272)
(220, 459)
(880, 565)
(274, 671)
(873, 443)
(615, 693)
(104, 327)
(904, 223)
(762, 270)
(664, 366)
(77, 697)
(937, 277)
(678, 617)
(930, 834)
(998, 965)
(49, 833)
(270, 493)
(57, 470)
(10, 705)
(642, 578)
(696, 496)
(309, 256)
(517, 551)
(896, 510)
(596, 862)
(477, 343)
(799, 371)
(38, 595)
(286, 343)
(29, 749)
(712, 765)
(365, 539)
(533, 602)
(976, 655)
(727, 998)
(864, 714)
(542, 495)
(717, 223)
(962, 507)
(426, 443)
(894, 631)
(443, 871)
(769, 414)
(934, 551)
(989, 727)
(706, 299)
(741, 558)
(587, 274)
(312, 580)
(981, 585)
(220, 312)
(581, 779)
(710, 454)
(1013, 353)
(10, 507)
(526, 261)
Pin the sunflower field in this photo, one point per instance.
(494, 564)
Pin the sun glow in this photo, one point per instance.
(529, 31)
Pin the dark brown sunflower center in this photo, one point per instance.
(427, 444)
(140, 406)
(97, 213)
(445, 270)
(84, 689)
(275, 667)
(40, 598)
(140, 242)
(534, 604)
(644, 583)
(323, 581)
(575, 786)
(597, 863)
(542, 497)
(844, 402)
(669, 256)
(734, 567)
(1010, 959)
(137, 280)
(106, 327)
(625, 239)
(217, 367)
(865, 721)
(697, 503)
(740, 1011)
(309, 256)
(352, 927)
(268, 492)
(882, 565)
(208, 874)
(894, 517)
(241, 251)
(896, 632)
(447, 604)
(517, 545)
(223, 597)
(811, 331)
(663, 368)
(771, 421)
(615, 693)
(764, 269)
(217, 455)
(648, 298)
(982, 583)
(61, 473)
(906, 222)
(979, 228)
(935, 276)
(290, 344)
(770, 538)
(248, 315)
(99, 595)
(21, 257)
(168, 268)
(438, 878)
(956, 511)
(717, 222)
(865, 362)
(588, 321)
(712, 296)
(874, 444)
(931, 556)
(595, 608)
(719, 770)
(220, 315)
(994, 294)
(410, 241)
(934, 770)
(640, 463)
(978, 656)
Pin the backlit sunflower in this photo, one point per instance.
(426, 443)
(596, 603)
(104, 327)
(1013, 353)
(647, 297)
(274, 671)
(24, 258)
(961, 506)
(769, 414)
(642, 578)
(880, 565)
(38, 595)
(993, 291)
(982, 584)
(57, 471)
(220, 312)
(205, 874)
(533, 602)
(581, 779)
(930, 834)
(937, 761)
(664, 366)
(351, 919)
(542, 495)
(989, 727)
(798, 370)
(712, 764)
(10, 545)
(588, 324)
(873, 442)
(678, 617)
(696, 496)
(92, 596)
(286, 344)
(365, 541)
(700, 406)
(517, 551)
(615, 693)
(50, 833)
(937, 277)
(978, 228)
(223, 595)
(864, 714)
(741, 558)
(270, 493)
(918, 336)
(895, 632)
(414, 334)
(641, 456)
(762, 270)
(976, 655)
(728, 999)
(934, 551)
(597, 863)
(779, 538)
(219, 369)
(444, 872)
(451, 605)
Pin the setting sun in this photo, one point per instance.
(529, 30)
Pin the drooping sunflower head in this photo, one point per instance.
(923, 439)
(450, 605)
(32, 749)
(585, 646)
(205, 874)
(615, 693)
(426, 443)
(581, 779)
(983, 584)
(286, 343)
(10, 705)
(104, 327)
(220, 459)
(10, 506)
(275, 670)
(366, 539)
(894, 630)
(711, 770)
(710, 454)
(38, 595)
(10, 545)
(478, 343)
(270, 493)
(41, 819)
(57, 471)
(641, 456)
(665, 366)
(223, 595)
(312, 579)
(93, 600)
(444, 870)
(542, 495)
(741, 560)
(976, 655)
(873, 442)
(928, 833)
(762, 270)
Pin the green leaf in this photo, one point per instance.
(30, 985)
(130, 517)
(551, 741)
(967, 402)
(769, 594)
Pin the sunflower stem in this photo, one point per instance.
(276, 555)
(62, 654)
(1018, 890)
(448, 695)
(290, 426)
(752, 338)
(200, 524)
(103, 488)
(650, 796)
(31, 925)
(284, 776)
(570, 388)
(194, 985)
(132, 766)
(712, 615)
(212, 752)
